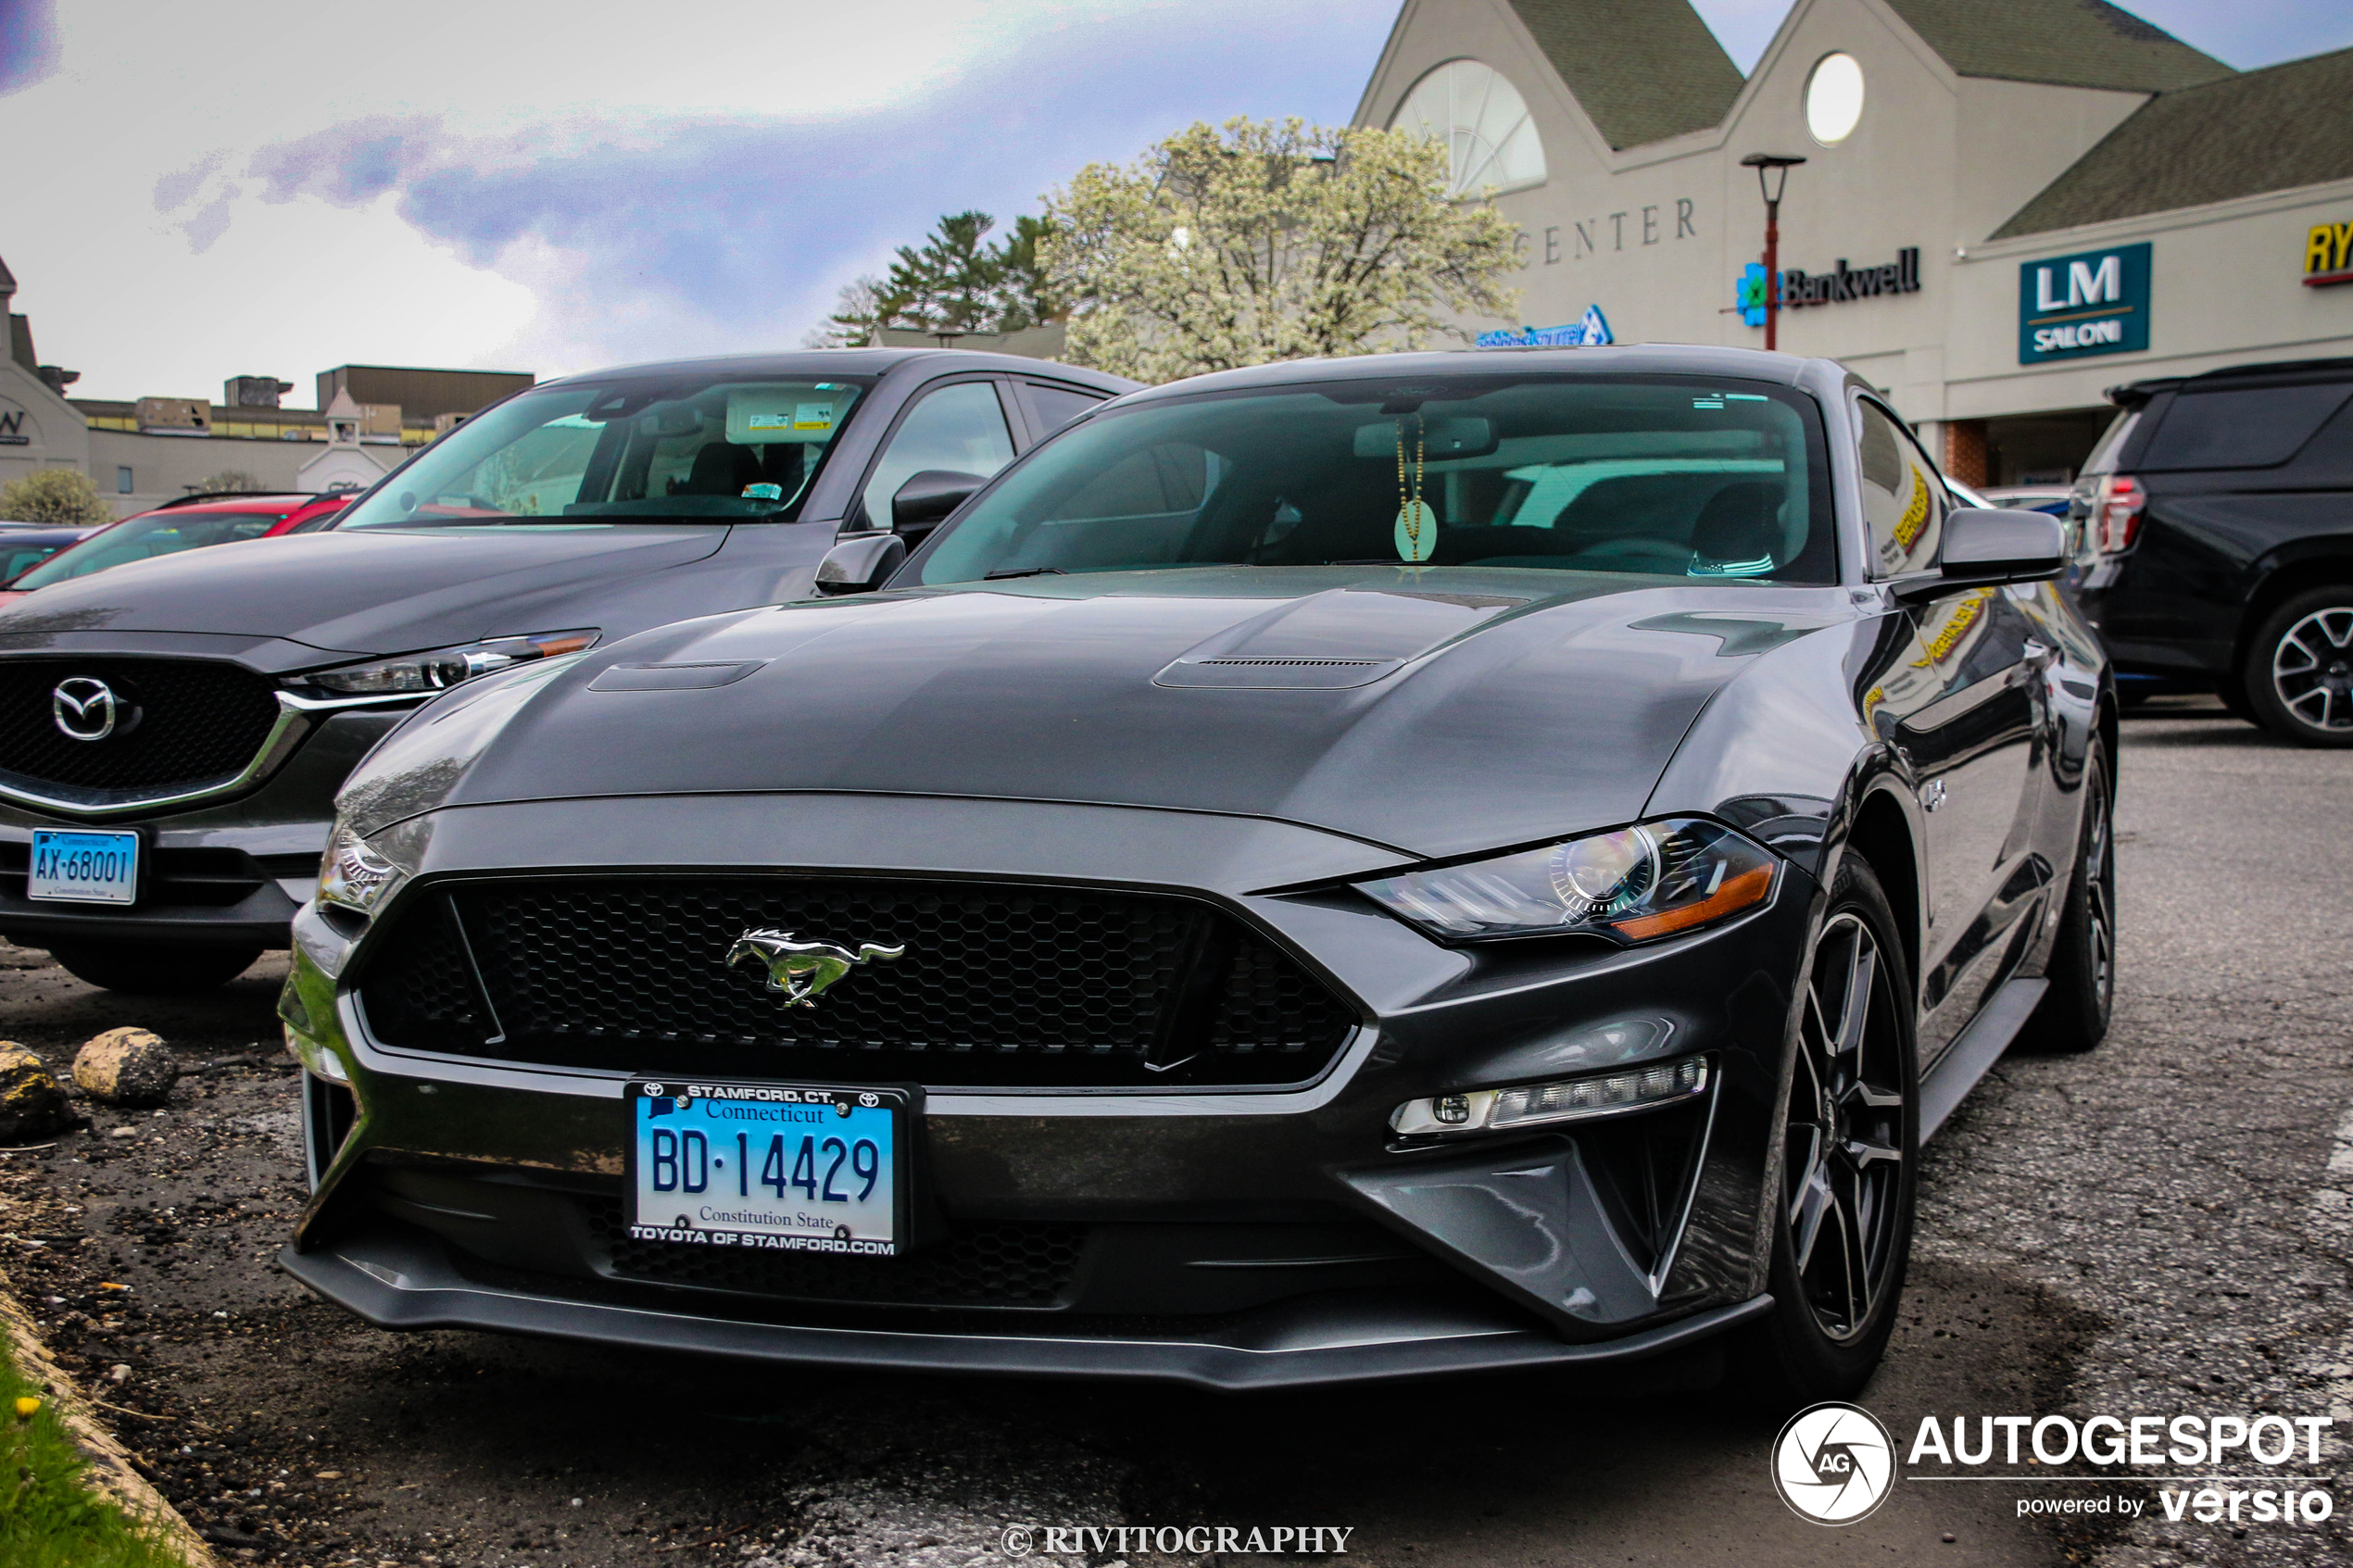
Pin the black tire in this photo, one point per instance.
(144, 969)
(2074, 1012)
(2298, 676)
(1831, 1320)
(2232, 689)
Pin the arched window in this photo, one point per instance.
(1481, 117)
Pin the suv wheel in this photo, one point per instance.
(2299, 669)
(150, 970)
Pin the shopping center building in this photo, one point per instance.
(2006, 206)
(145, 451)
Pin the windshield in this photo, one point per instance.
(1712, 480)
(160, 533)
(699, 450)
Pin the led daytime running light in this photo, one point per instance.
(1570, 1100)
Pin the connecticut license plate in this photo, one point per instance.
(774, 1166)
(84, 867)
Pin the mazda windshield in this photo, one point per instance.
(1708, 480)
(705, 450)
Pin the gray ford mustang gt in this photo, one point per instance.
(1383, 867)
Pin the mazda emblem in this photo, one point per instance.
(84, 709)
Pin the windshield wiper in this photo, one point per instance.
(1024, 572)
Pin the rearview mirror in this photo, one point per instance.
(919, 504)
(1463, 436)
(1982, 546)
(860, 564)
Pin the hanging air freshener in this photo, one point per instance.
(1416, 533)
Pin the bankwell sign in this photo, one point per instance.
(2094, 302)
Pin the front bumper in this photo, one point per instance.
(400, 1278)
(229, 872)
(1224, 1236)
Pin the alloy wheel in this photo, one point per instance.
(1843, 1156)
(2099, 887)
(2313, 668)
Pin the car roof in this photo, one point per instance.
(2132, 394)
(232, 501)
(842, 362)
(1657, 358)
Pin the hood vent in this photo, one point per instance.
(1277, 674)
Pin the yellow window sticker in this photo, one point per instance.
(1914, 517)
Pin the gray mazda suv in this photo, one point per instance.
(172, 731)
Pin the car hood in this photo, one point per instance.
(1430, 712)
(359, 593)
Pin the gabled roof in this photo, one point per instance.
(1643, 70)
(2270, 130)
(2065, 43)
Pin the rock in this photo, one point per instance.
(126, 1067)
(32, 1105)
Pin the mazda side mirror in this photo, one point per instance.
(1984, 547)
(926, 500)
(860, 564)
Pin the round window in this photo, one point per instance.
(1484, 122)
(1835, 99)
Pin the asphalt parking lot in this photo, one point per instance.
(2151, 1228)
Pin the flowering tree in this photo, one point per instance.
(1259, 241)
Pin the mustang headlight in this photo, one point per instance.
(358, 873)
(1650, 880)
(444, 668)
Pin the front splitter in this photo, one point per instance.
(396, 1278)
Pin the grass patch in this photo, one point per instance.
(49, 1519)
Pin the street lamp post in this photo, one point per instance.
(1773, 168)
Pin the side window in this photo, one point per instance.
(959, 427)
(1903, 504)
(1050, 407)
(2254, 427)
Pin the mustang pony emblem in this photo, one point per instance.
(798, 968)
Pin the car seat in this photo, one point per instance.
(720, 468)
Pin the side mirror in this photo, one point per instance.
(1984, 547)
(860, 564)
(927, 499)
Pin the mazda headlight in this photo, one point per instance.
(444, 668)
(360, 874)
(1647, 880)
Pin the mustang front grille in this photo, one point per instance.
(179, 725)
(996, 985)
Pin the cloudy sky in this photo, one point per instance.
(550, 189)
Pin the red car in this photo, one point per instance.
(189, 523)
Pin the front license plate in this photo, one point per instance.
(787, 1167)
(84, 867)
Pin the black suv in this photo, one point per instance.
(2217, 521)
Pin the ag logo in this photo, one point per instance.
(1835, 1463)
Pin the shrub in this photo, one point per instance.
(59, 496)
